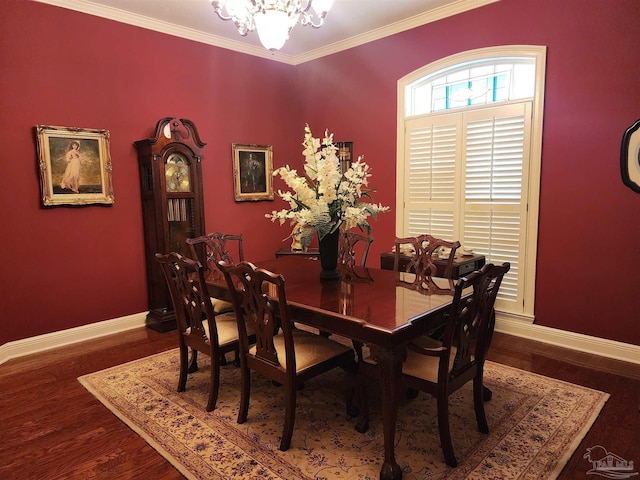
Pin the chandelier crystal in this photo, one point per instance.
(272, 19)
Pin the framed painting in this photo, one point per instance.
(630, 157)
(345, 154)
(252, 172)
(74, 165)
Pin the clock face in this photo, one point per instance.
(177, 174)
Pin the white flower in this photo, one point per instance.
(325, 199)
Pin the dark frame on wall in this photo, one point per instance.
(345, 155)
(252, 172)
(630, 157)
(74, 165)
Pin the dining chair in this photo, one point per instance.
(442, 367)
(209, 249)
(283, 353)
(350, 242)
(199, 327)
(422, 249)
(214, 247)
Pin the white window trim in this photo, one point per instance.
(539, 52)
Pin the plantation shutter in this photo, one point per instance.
(465, 179)
(433, 144)
(496, 142)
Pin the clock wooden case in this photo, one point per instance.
(172, 205)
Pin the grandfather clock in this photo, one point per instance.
(172, 205)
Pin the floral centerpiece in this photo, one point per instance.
(325, 200)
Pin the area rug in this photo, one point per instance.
(535, 423)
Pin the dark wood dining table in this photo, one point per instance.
(373, 306)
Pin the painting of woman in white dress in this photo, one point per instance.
(75, 165)
(71, 177)
(77, 168)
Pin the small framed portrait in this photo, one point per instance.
(345, 154)
(630, 157)
(74, 165)
(252, 172)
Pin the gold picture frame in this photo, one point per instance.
(345, 155)
(74, 165)
(252, 172)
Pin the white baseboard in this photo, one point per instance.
(61, 338)
(574, 341)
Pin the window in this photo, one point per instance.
(477, 82)
(469, 159)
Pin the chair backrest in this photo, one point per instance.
(349, 243)
(470, 317)
(215, 247)
(421, 261)
(260, 302)
(191, 302)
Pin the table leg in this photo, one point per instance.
(390, 367)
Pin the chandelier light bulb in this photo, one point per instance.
(272, 19)
(273, 28)
(238, 8)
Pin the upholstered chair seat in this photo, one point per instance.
(221, 306)
(310, 349)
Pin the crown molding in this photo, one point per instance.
(122, 16)
(431, 16)
(85, 6)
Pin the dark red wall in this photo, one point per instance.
(589, 229)
(65, 267)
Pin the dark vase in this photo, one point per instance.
(328, 247)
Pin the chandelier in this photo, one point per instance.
(273, 19)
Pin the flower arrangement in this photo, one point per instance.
(325, 199)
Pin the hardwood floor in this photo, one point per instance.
(52, 428)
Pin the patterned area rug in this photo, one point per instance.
(535, 422)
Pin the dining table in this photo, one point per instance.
(382, 309)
